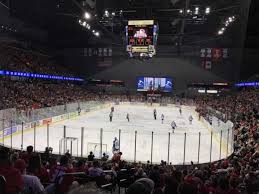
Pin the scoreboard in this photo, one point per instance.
(141, 37)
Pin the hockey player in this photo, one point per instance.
(162, 118)
(180, 111)
(173, 125)
(111, 115)
(127, 117)
(155, 114)
(115, 146)
(79, 111)
(190, 119)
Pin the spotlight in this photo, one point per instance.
(220, 32)
(230, 19)
(84, 24)
(106, 13)
(188, 11)
(87, 15)
(223, 29)
(113, 13)
(97, 34)
(181, 11)
(196, 10)
(79, 21)
(93, 31)
(207, 10)
(88, 26)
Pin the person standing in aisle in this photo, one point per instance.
(127, 117)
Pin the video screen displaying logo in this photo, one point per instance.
(141, 33)
(155, 84)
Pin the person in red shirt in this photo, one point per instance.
(117, 157)
(14, 181)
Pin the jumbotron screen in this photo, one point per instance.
(155, 84)
(141, 37)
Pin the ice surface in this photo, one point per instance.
(142, 121)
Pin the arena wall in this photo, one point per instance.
(184, 68)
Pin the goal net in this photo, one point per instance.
(96, 149)
(68, 145)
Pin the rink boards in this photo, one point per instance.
(141, 139)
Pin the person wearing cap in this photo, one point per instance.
(31, 183)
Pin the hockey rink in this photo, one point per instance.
(181, 149)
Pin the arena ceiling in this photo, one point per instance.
(176, 26)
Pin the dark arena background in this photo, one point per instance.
(129, 96)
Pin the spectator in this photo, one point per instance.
(60, 182)
(37, 169)
(91, 156)
(141, 186)
(31, 183)
(140, 174)
(117, 157)
(47, 154)
(105, 157)
(14, 181)
(155, 176)
(26, 156)
(171, 185)
(81, 167)
(233, 182)
(95, 171)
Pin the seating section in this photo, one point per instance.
(16, 59)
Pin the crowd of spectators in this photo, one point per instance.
(16, 59)
(35, 94)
